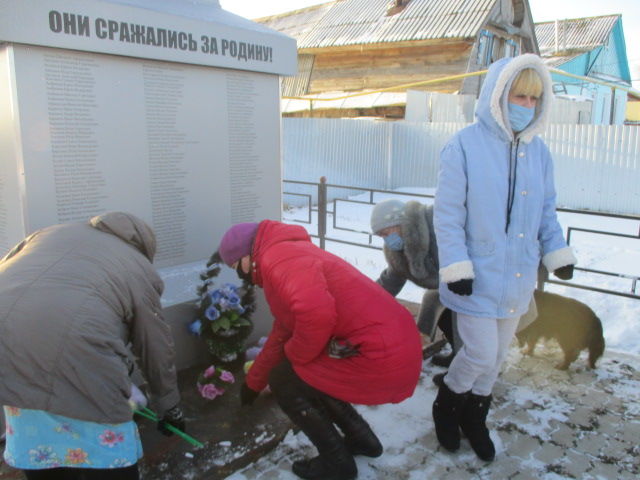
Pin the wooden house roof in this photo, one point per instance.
(357, 22)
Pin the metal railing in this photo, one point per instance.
(321, 209)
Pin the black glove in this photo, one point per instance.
(564, 273)
(247, 396)
(174, 417)
(461, 287)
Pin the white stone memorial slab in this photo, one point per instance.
(113, 106)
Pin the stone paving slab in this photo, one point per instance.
(546, 424)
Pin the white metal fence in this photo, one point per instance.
(445, 107)
(596, 167)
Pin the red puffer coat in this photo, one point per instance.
(315, 296)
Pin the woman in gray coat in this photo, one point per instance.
(72, 297)
(412, 255)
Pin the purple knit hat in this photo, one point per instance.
(237, 241)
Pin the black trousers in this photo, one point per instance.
(294, 394)
(446, 325)
(287, 385)
(126, 473)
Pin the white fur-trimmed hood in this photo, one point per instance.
(492, 104)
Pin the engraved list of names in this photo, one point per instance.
(187, 148)
(71, 107)
(244, 164)
(166, 140)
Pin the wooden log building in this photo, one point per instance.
(355, 46)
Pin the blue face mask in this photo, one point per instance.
(520, 116)
(394, 242)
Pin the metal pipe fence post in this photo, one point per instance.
(322, 210)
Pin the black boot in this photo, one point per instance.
(358, 436)
(447, 410)
(443, 359)
(473, 425)
(303, 404)
(334, 461)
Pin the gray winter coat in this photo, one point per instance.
(417, 262)
(72, 297)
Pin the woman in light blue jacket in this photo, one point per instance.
(495, 219)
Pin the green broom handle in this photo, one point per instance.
(151, 415)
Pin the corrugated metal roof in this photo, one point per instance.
(557, 60)
(575, 34)
(297, 22)
(356, 22)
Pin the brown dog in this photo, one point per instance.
(572, 323)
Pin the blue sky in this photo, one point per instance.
(542, 10)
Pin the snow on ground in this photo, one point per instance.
(546, 424)
(620, 316)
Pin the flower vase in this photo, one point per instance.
(227, 332)
(228, 358)
(223, 350)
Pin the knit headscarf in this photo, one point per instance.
(236, 242)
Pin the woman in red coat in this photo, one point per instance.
(337, 338)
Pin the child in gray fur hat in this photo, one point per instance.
(412, 254)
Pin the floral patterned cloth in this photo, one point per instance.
(39, 440)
